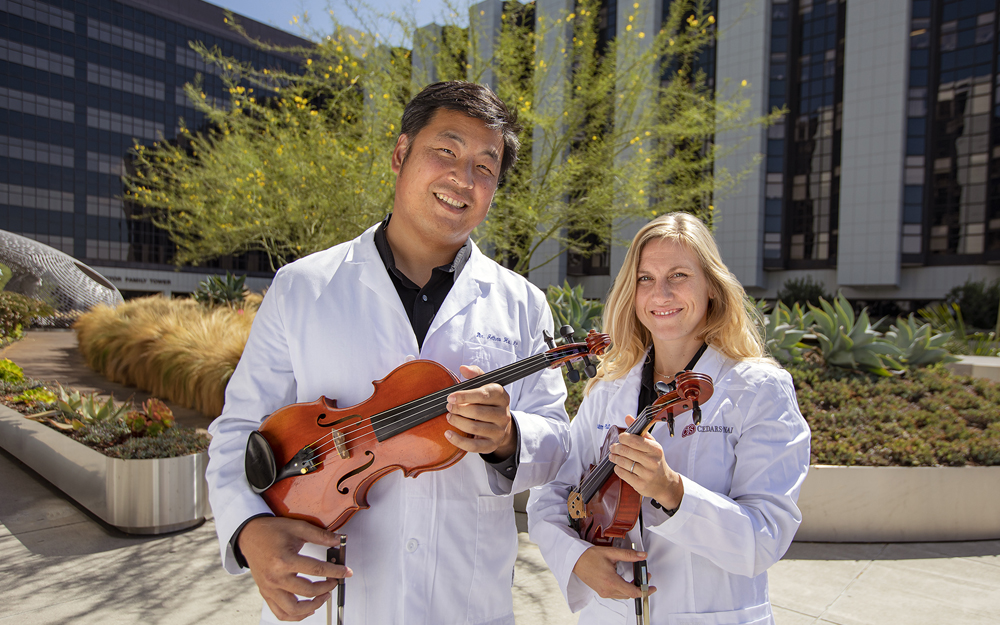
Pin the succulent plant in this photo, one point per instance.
(846, 341)
(783, 332)
(78, 409)
(571, 308)
(35, 396)
(918, 347)
(154, 418)
(217, 291)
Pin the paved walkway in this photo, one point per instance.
(60, 565)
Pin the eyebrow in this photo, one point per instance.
(457, 138)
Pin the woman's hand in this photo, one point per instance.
(642, 465)
(597, 568)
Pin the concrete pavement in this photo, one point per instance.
(60, 565)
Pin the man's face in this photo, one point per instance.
(447, 183)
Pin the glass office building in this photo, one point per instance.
(80, 82)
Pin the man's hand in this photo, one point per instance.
(597, 568)
(271, 547)
(485, 414)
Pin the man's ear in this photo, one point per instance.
(400, 152)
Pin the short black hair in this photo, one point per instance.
(472, 99)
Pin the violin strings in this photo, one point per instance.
(594, 479)
(410, 413)
(402, 416)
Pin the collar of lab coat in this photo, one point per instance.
(473, 282)
(711, 364)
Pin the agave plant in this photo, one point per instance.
(571, 308)
(215, 291)
(849, 342)
(784, 328)
(918, 347)
(78, 409)
(948, 318)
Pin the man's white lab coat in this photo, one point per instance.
(435, 549)
(742, 468)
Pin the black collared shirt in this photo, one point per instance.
(420, 303)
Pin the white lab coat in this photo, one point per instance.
(439, 548)
(742, 469)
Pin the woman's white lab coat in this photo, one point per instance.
(439, 548)
(742, 468)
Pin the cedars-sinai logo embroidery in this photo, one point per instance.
(689, 429)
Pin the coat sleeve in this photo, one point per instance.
(540, 413)
(263, 382)
(548, 520)
(748, 530)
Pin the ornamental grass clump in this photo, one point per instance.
(172, 348)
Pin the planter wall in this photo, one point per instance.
(900, 504)
(893, 504)
(136, 496)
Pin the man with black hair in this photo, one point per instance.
(439, 548)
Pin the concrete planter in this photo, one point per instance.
(136, 496)
(900, 504)
(892, 504)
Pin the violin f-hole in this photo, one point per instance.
(344, 491)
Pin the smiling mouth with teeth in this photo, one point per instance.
(450, 202)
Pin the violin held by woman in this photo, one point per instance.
(716, 500)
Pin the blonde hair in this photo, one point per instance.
(730, 320)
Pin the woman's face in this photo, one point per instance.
(671, 294)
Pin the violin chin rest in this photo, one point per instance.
(259, 464)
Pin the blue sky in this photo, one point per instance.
(279, 13)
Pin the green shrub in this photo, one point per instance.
(16, 313)
(927, 417)
(803, 291)
(115, 439)
(39, 397)
(571, 308)
(10, 372)
(978, 301)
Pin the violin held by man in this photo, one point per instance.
(439, 548)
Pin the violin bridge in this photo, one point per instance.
(341, 444)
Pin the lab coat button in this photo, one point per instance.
(412, 544)
(410, 357)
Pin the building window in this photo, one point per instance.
(812, 168)
(963, 151)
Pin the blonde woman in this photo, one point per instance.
(719, 498)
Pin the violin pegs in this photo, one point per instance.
(589, 368)
(572, 374)
(567, 333)
(696, 411)
(548, 339)
(670, 425)
(662, 388)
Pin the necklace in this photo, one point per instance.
(662, 375)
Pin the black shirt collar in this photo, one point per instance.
(385, 252)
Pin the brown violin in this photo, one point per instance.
(604, 507)
(315, 461)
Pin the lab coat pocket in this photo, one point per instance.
(754, 615)
(496, 550)
(486, 357)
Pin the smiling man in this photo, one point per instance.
(439, 548)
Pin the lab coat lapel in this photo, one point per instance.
(373, 274)
(474, 282)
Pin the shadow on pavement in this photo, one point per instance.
(892, 551)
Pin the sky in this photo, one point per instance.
(279, 13)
